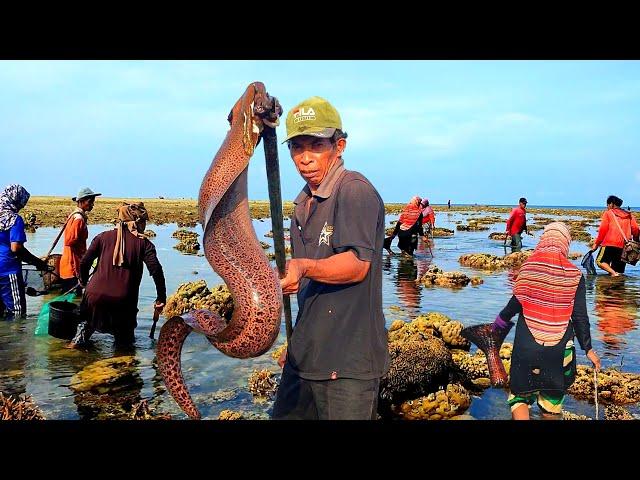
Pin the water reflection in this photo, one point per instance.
(616, 306)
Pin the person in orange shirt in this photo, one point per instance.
(75, 238)
(615, 227)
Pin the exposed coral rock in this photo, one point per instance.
(614, 412)
(575, 255)
(614, 387)
(142, 411)
(418, 367)
(19, 407)
(108, 375)
(278, 351)
(262, 383)
(230, 415)
(439, 405)
(572, 416)
(188, 241)
(486, 261)
(498, 236)
(437, 276)
(472, 227)
(476, 281)
(265, 245)
(442, 232)
(196, 295)
(149, 233)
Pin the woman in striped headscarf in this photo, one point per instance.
(549, 297)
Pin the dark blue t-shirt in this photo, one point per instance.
(9, 263)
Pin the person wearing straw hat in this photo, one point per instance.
(13, 301)
(110, 300)
(338, 349)
(75, 238)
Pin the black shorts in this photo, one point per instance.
(611, 256)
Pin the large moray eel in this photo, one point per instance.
(233, 251)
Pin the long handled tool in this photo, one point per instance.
(156, 316)
(275, 204)
(595, 385)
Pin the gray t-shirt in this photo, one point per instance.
(340, 329)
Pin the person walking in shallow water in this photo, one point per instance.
(516, 224)
(616, 226)
(549, 297)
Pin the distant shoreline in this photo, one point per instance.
(51, 211)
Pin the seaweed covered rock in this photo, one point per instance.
(614, 387)
(440, 405)
(263, 383)
(437, 276)
(108, 375)
(417, 367)
(19, 407)
(196, 295)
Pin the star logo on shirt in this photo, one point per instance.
(326, 232)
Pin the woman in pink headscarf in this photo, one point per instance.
(549, 298)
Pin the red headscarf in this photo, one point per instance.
(547, 284)
(410, 213)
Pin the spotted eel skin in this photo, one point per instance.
(233, 251)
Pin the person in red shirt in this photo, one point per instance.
(75, 238)
(616, 226)
(516, 224)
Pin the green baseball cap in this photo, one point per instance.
(314, 116)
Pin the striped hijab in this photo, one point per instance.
(547, 284)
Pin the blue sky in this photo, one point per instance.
(557, 132)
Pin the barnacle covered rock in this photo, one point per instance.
(196, 295)
(262, 383)
(439, 405)
(19, 407)
(614, 387)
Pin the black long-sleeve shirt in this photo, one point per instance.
(579, 316)
(121, 283)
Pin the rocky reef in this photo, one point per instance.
(188, 241)
(614, 386)
(196, 295)
(437, 276)
(19, 407)
(487, 261)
